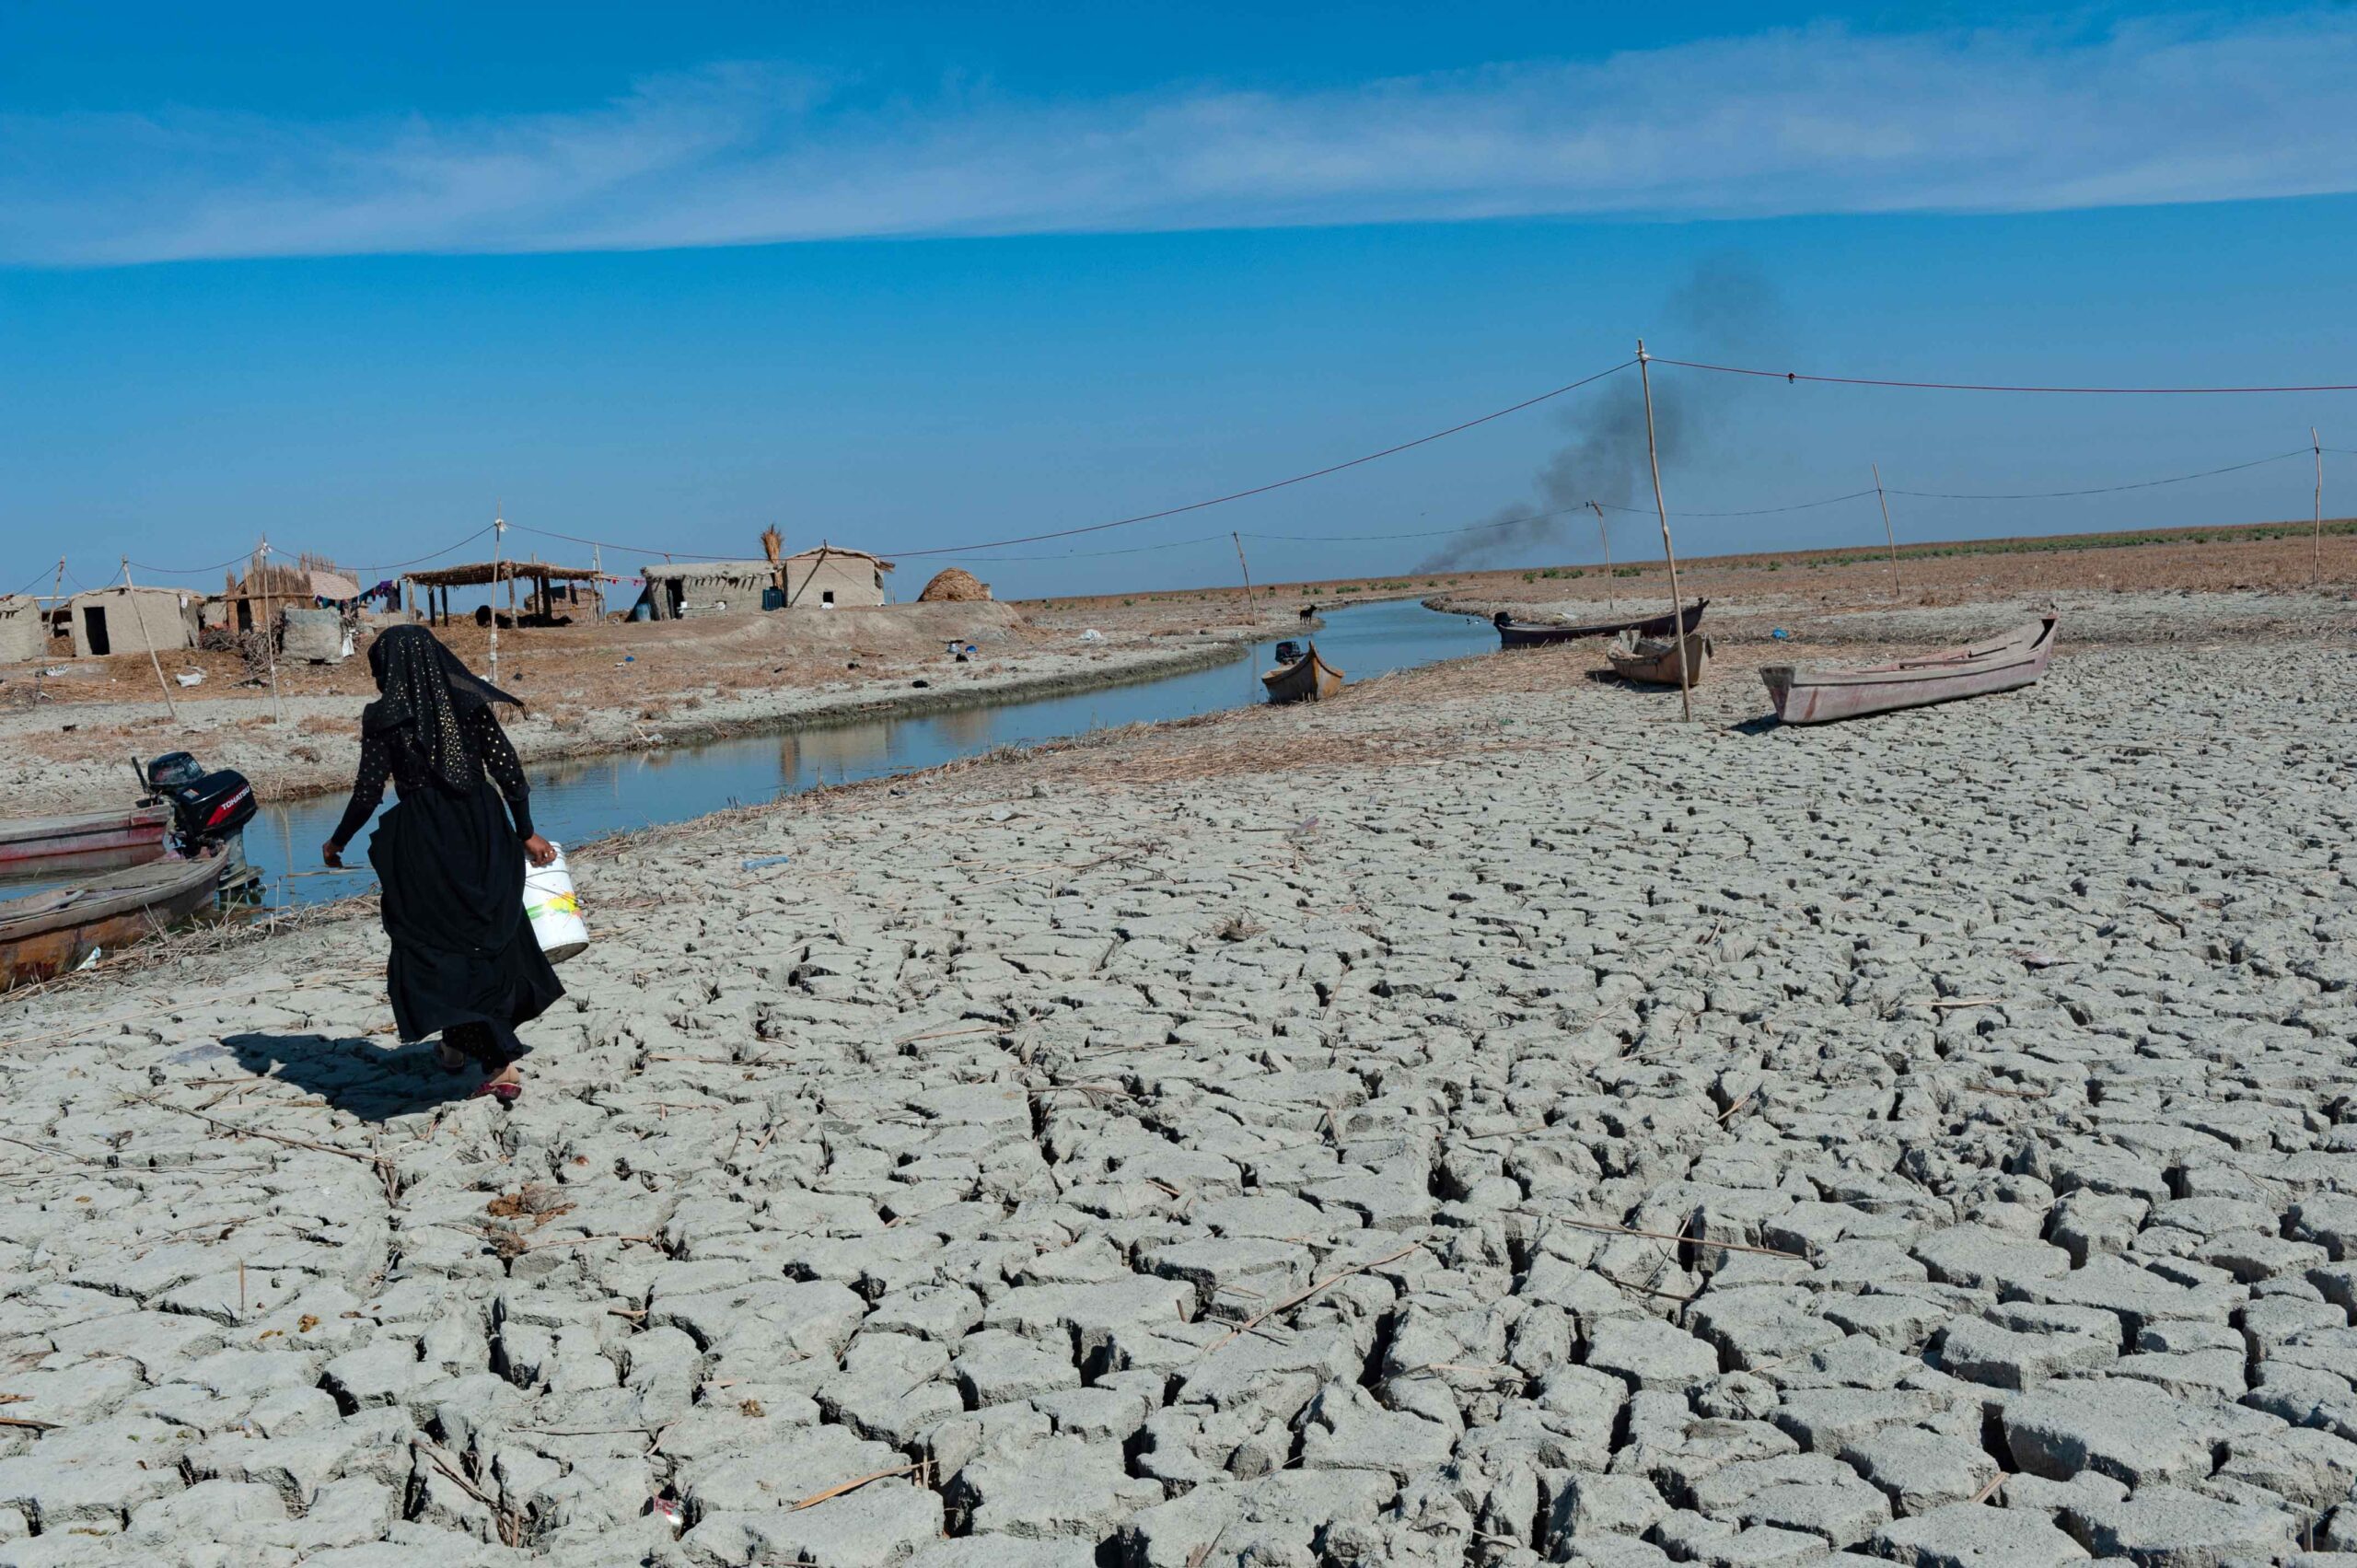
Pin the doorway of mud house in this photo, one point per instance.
(94, 630)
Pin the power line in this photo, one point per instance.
(632, 549)
(1792, 376)
(192, 571)
(2096, 490)
(1094, 554)
(1273, 484)
(396, 566)
(1749, 511)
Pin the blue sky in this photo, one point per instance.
(914, 277)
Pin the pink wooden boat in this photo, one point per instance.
(125, 835)
(1815, 696)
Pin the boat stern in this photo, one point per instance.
(1778, 679)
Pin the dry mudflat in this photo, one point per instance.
(1475, 1121)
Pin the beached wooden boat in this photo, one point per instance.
(1305, 680)
(2003, 664)
(1513, 634)
(125, 835)
(47, 933)
(1652, 661)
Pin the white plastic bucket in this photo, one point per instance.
(555, 909)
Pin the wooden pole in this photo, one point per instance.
(131, 603)
(1677, 605)
(1251, 599)
(1604, 539)
(2315, 566)
(1888, 538)
(56, 597)
(269, 637)
(498, 532)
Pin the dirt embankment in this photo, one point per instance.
(589, 689)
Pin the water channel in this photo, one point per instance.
(585, 798)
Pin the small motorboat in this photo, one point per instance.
(1652, 661)
(1513, 634)
(125, 835)
(1305, 678)
(1804, 695)
(47, 933)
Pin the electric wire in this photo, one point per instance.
(1789, 377)
(2096, 490)
(1273, 484)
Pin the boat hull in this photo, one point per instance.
(1538, 635)
(47, 933)
(1654, 662)
(1805, 695)
(1307, 680)
(82, 841)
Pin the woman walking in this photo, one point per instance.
(464, 964)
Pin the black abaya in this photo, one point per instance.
(450, 867)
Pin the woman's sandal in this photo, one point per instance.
(506, 1093)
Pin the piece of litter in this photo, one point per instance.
(1092, 635)
(1780, 634)
(193, 677)
(761, 862)
(91, 962)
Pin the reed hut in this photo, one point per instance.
(831, 577)
(682, 591)
(954, 584)
(24, 628)
(131, 621)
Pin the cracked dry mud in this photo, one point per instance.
(1240, 1169)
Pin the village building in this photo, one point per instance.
(830, 577)
(24, 628)
(268, 589)
(826, 577)
(551, 596)
(680, 592)
(131, 621)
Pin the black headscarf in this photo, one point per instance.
(424, 692)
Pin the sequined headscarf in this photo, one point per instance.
(424, 690)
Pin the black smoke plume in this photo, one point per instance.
(1725, 306)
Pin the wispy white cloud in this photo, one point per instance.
(1818, 119)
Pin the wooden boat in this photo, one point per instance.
(125, 835)
(1305, 680)
(47, 933)
(1817, 696)
(1652, 661)
(1513, 634)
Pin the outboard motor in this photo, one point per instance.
(1288, 652)
(210, 811)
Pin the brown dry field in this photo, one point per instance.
(2265, 557)
(569, 671)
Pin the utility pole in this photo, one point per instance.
(1251, 601)
(131, 603)
(1604, 539)
(1888, 538)
(1677, 605)
(2315, 567)
(269, 634)
(498, 532)
(56, 597)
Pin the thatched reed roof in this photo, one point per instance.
(954, 584)
(479, 573)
